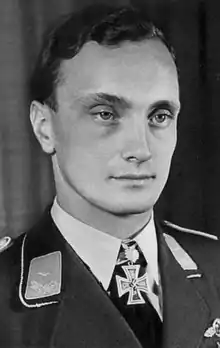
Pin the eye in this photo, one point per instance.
(161, 118)
(106, 115)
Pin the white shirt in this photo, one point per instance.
(100, 250)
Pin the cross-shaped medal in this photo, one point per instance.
(132, 284)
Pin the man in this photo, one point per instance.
(98, 270)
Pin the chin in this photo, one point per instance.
(123, 208)
(121, 204)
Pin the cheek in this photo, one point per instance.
(72, 139)
(164, 151)
(85, 155)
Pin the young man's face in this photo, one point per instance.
(115, 128)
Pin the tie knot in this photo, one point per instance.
(128, 243)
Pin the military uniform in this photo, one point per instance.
(50, 298)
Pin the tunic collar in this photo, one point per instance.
(100, 250)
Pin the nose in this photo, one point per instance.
(137, 145)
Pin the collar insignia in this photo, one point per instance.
(181, 256)
(44, 277)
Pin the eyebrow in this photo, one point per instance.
(166, 104)
(124, 103)
(110, 99)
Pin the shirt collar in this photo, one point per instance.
(100, 250)
(147, 241)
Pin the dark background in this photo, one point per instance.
(191, 195)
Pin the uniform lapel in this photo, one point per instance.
(81, 315)
(186, 314)
(87, 317)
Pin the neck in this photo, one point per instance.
(119, 226)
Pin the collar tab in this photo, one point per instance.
(44, 276)
(41, 285)
(181, 256)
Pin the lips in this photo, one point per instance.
(131, 176)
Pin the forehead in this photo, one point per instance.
(135, 71)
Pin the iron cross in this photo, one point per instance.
(132, 284)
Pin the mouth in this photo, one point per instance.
(134, 177)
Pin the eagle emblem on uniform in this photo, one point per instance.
(213, 330)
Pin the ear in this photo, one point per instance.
(41, 120)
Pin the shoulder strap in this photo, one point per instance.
(188, 230)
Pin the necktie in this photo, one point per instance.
(131, 290)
